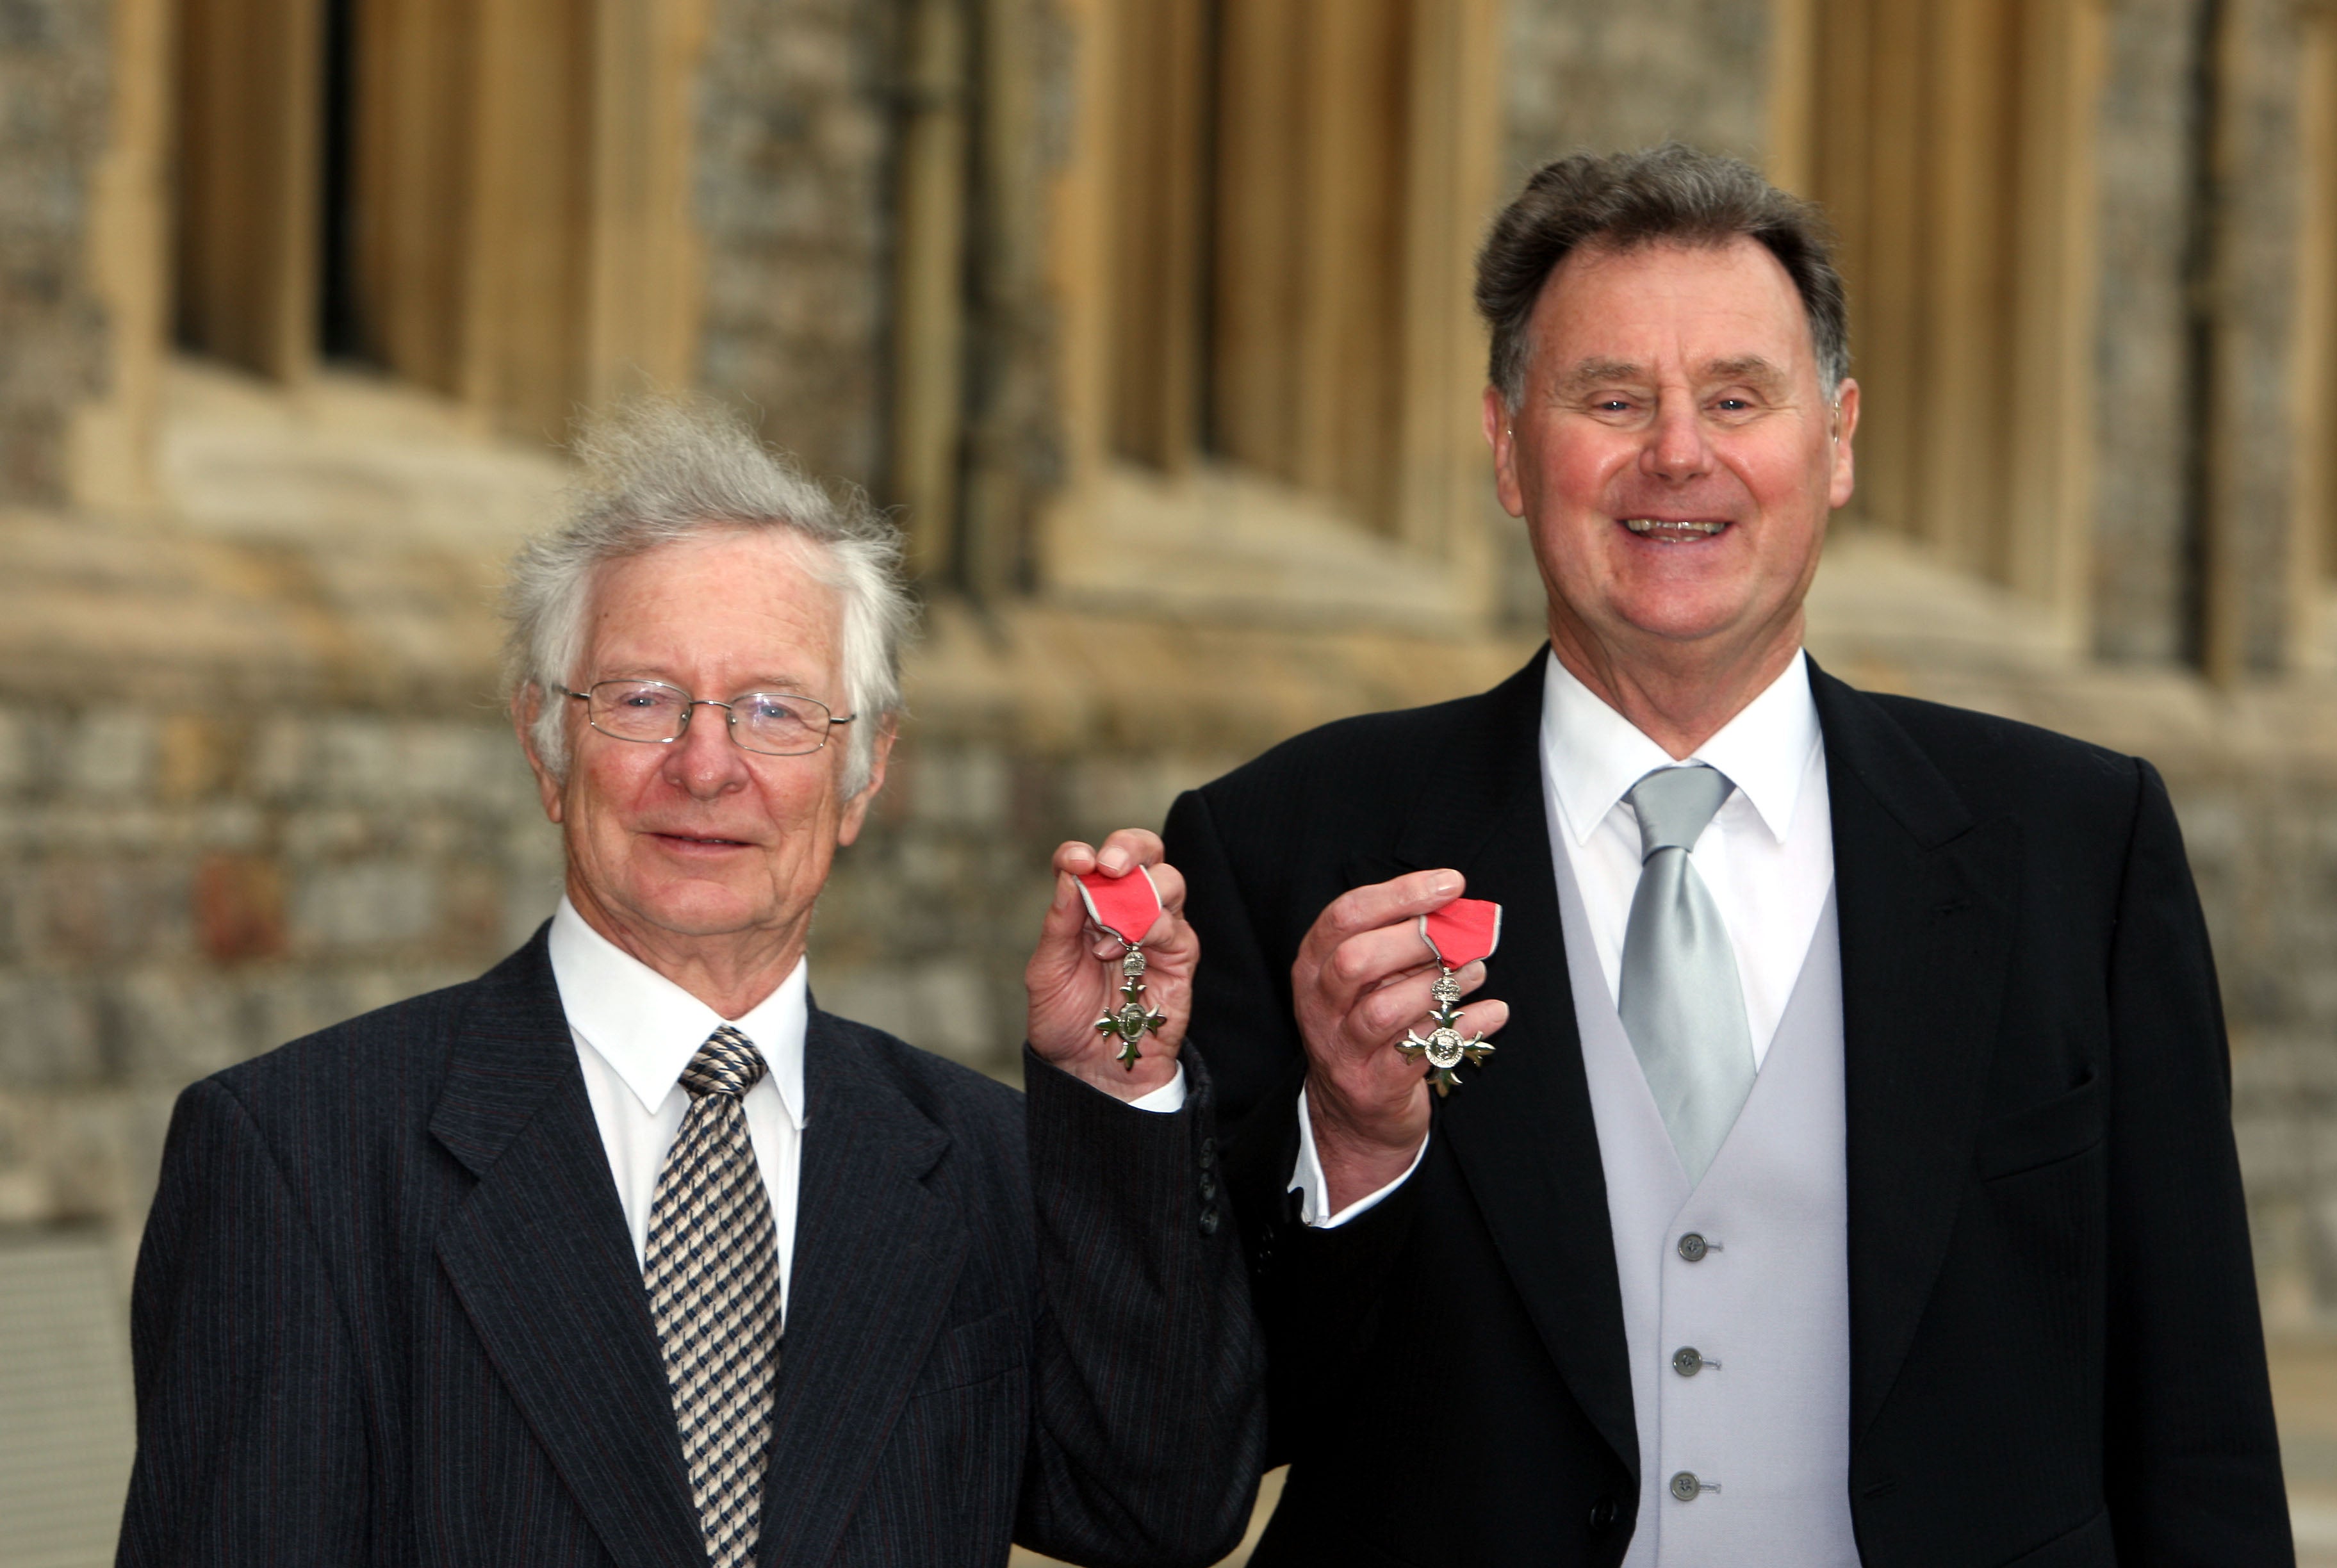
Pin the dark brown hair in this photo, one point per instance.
(1671, 194)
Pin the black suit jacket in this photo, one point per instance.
(386, 1312)
(2055, 1358)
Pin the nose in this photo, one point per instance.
(1675, 449)
(704, 763)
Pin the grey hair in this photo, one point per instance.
(1670, 194)
(661, 472)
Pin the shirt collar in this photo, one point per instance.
(1594, 754)
(647, 1027)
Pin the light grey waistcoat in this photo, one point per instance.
(1767, 1427)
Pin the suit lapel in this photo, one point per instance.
(1522, 1126)
(541, 1261)
(1925, 894)
(876, 1261)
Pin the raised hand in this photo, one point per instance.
(1074, 977)
(1362, 980)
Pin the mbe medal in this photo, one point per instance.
(1457, 935)
(1119, 905)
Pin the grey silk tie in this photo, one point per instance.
(1680, 1000)
(712, 1270)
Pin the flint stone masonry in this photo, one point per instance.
(2149, 123)
(1601, 78)
(793, 202)
(53, 100)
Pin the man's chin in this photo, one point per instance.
(699, 908)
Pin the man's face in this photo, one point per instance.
(701, 838)
(1673, 453)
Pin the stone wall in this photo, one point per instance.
(180, 889)
(2145, 484)
(795, 200)
(52, 126)
(1587, 77)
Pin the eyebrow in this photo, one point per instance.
(1590, 373)
(1746, 367)
(790, 683)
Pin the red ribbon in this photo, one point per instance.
(1124, 906)
(1463, 931)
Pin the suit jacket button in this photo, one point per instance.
(1209, 1186)
(1208, 1222)
(1602, 1514)
(1692, 1247)
(1208, 1152)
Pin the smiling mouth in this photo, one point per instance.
(1674, 530)
(705, 839)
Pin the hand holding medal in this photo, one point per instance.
(1377, 988)
(1111, 983)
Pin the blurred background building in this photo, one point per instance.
(1151, 318)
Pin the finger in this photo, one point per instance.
(1401, 1004)
(1385, 1014)
(1169, 882)
(1370, 959)
(1061, 929)
(1077, 858)
(1483, 1018)
(1129, 848)
(1380, 904)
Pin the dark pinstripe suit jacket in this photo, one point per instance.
(387, 1311)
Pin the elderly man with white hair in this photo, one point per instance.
(625, 1253)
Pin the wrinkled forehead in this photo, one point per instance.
(1706, 307)
(742, 601)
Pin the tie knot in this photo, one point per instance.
(1674, 804)
(727, 1064)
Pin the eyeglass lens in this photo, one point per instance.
(648, 710)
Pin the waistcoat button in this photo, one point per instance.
(1692, 1247)
(1602, 1514)
(1684, 1485)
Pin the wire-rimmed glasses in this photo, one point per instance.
(774, 722)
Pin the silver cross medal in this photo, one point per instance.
(1471, 933)
(1117, 905)
(1134, 1018)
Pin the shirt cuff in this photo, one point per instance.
(1313, 1188)
(1169, 1096)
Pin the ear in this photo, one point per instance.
(1500, 434)
(856, 809)
(1844, 479)
(526, 703)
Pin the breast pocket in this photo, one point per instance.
(2061, 1128)
(973, 1353)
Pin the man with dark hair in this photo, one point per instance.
(1851, 1179)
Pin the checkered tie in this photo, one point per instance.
(712, 1270)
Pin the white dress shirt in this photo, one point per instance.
(1766, 856)
(636, 1031)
